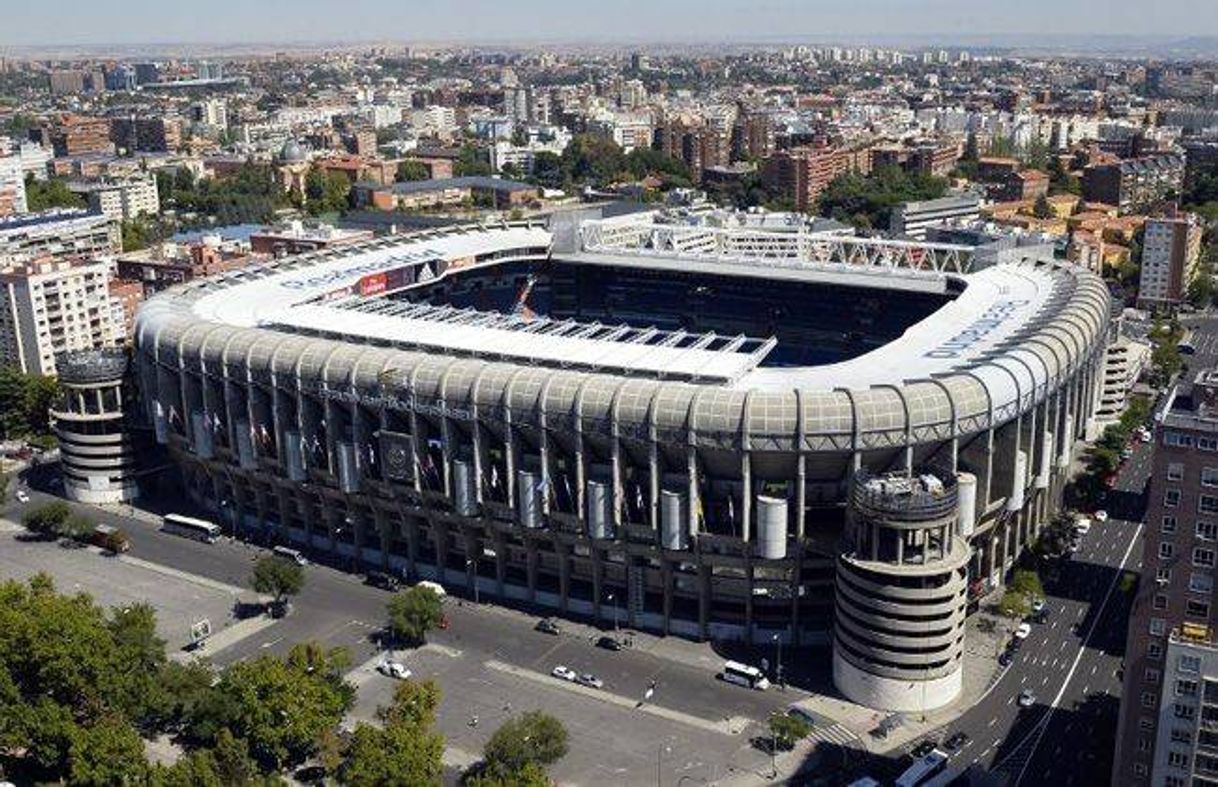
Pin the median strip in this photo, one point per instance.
(733, 726)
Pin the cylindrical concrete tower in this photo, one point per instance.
(901, 594)
(97, 443)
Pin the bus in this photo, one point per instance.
(866, 781)
(744, 675)
(923, 770)
(189, 527)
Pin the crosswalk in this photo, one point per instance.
(835, 734)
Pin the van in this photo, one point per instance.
(293, 555)
(110, 538)
(379, 579)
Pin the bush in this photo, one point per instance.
(48, 519)
(414, 612)
(1014, 604)
(533, 738)
(788, 729)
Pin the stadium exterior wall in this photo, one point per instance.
(349, 449)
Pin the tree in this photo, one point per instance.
(787, 729)
(277, 576)
(868, 200)
(548, 169)
(1026, 581)
(51, 193)
(108, 752)
(414, 612)
(412, 169)
(326, 192)
(48, 519)
(77, 527)
(279, 707)
(593, 159)
(471, 161)
(531, 775)
(534, 737)
(1042, 209)
(405, 750)
(25, 401)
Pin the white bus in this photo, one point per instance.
(743, 674)
(189, 527)
(923, 770)
(866, 781)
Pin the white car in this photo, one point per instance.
(1026, 698)
(22, 497)
(1023, 631)
(564, 673)
(393, 669)
(434, 587)
(590, 680)
(1082, 526)
(1101, 516)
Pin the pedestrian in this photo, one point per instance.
(473, 721)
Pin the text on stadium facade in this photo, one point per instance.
(354, 271)
(993, 317)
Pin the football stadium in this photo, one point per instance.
(714, 432)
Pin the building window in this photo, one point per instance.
(1182, 711)
(1208, 504)
(1188, 663)
(1169, 524)
(1207, 443)
(1174, 781)
(1158, 627)
(1209, 476)
(1151, 675)
(1197, 609)
(1163, 575)
(1143, 745)
(1200, 583)
(1175, 471)
(1166, 550)
(1154, 650)
(1203, 557)
(1146, 724)
(1148, 699)
(1207, 531)
(1160, 601)
(1186, 688)
(1177, 759)
(1139, 769)
(1171, 498)
(1181, 735)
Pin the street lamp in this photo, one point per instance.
(471, 563)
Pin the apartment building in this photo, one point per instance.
(59, 234)
(123, 200)
(1124, 361)
(12, 186)
(168, 264)
(1134, 185)
(50, 306)
(802, 173)
(74, 135)
(152, 134)
(1158, 733)
(1171, 250)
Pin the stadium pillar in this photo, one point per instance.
(500, 562)
(563, 553)
(746, 495)
(411, 525)
(704, 600)
(598, 579)
(530, 566)
(801, 474)
(384, 528)
(666, 580)
(989, 467)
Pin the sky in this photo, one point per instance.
(77, 22)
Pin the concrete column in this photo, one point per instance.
(704, 600)
(666, 583)
(500, 562)
(746, 502)
(563, 553)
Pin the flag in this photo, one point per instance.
(173, 414)
(543, 486)
(215, 422)
(567, 486)
(731, 510)
(701, 512)
(638, 497)
(263, 435)
(494, 476)
(316, 445)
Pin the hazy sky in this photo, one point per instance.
(239, 21)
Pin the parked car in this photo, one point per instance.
(1101, 516)
(1023, 630)
(609, 643)
(956, 741)
(1005, 658)
(590, 680)
(564, 673)
(1026, 698)
(393, 669)
(379, 579)
(1038, 606)
(924, 748)
(22, 497)
(434, 587)
(1083, 526)
(547, 626)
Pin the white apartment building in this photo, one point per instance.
(434, 121)
(34, 157)
(210, 112)
(1124, 362)
(1186, 753)
(124, 200)
(1171, 249)
(53, 306)
(58, 233)
(12, 186)
(549, 139)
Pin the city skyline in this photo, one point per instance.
(144, 21)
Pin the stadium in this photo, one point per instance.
(715, 432)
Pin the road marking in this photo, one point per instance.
(993, 721)
(271, 642)
(732, 726)
(1044, 723)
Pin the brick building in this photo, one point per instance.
(802, 173)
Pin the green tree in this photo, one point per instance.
(106, 753)
(548, 170)
(193, 769)
(412, 169)
(280, 707)
(326, 192)
(1042, 209)
(51, 193)
(277, 576)
(1026, 581)
(868, 200)
(77, 527)
(472, 160)
(405, 749)
(414, 612)
(47, 519)
(594, 159)
(534, 737)
(787, 729)
(25, 402)
(531, 775)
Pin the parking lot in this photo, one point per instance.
(613, 739)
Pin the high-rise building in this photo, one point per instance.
(1165, 733)
(153, 134)
(125, 199)
(66, 82)
(802, 173)
(48, 307)
(74, 135)
(210, 112)
(12, 185)
(1171, 249)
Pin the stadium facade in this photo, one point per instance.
(712, 432)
